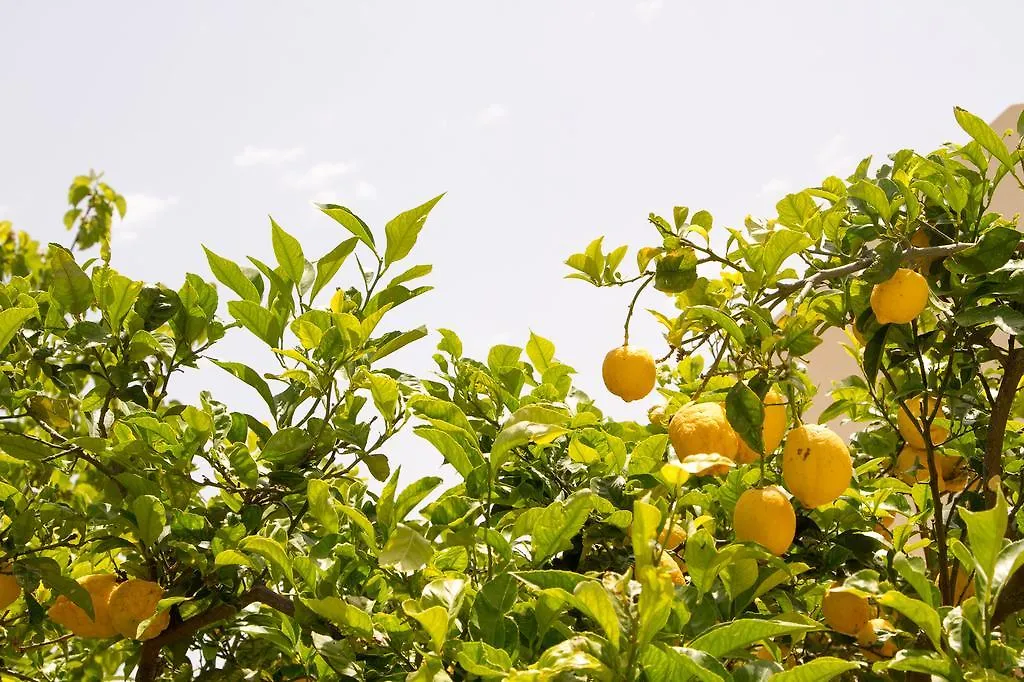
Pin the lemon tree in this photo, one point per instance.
(727, 538)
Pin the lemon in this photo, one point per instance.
(10, 590)
(845, 611)
(913, 432)
(816, 465)
(772, 430)
(912, 465)
(765, 516)
(702, 428)
(673, 567)
(867, 637)
(74, 618)
(628, 372)
(134, 601)
(901, 298)
(657, 415)
(671, 538)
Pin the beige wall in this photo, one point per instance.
(830, 362)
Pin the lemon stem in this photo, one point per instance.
(632, 304)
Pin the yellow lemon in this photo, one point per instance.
(765, 516)
(628, 372)
(867, 637)
(10, 590)
(70, 615)
(134, 601)
(702, 428)
(657, 416)
(912, 466)
(772, 430)
(845, 611)
(913, 432)
(816, 465)
(901, 298)
(963, 585)
(671, 538)
(674, 567)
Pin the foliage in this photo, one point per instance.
(536, 556)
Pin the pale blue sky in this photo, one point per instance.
(548, 123)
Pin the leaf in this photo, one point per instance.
(269, 549)
(400, 341)
(230, 557)
(288, 252)
(69, 284)
(116, 295)
(350, 619)
(600, 608)
(983, 134)
(985, 530)
(462, 460)
(230, 275)
(318, 492)
(991, 252)
(48, 572)
(258, 320)
(796, 209)
(403, 229)
(328, 266)
(412, 495)
(150, 518)
(351, 222)
(676, 271)
(251, 377)
(23, 448)
(1009, 561)
(923, 615)
(558, 523)
(662, 663)
(406, 550)
(1002, 316)
(287, 447)
(415, 272)
(646, 519)
(873, 354)
(655, 605)
(362, 523)
(433, 619)
(738, 634)
(484, 660)
(874, 196)
(745, 413)
(541, 352)
(818, 670)
(551, 579)
(781, 244)
(519, 434)
(11, 321)
(717, 317)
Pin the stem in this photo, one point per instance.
(632, 304)
(1013, 371)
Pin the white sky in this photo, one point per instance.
(548, 123)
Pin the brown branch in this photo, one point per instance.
(1013, 371)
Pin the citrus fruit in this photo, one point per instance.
(963, 585)
(765, 516)
(671, 538)
(10, 590)
(772, 430)
(657, 415)
(913, 432)
(844, 610)
(628, 372)
(912, 465)
(74, 618)
(702, 428)
(867, 637)
(816, 465)
(673, 567)
(134, 601)
(901, 298)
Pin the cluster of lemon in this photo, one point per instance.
(118, 608)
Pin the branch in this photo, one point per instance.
(1013, 371)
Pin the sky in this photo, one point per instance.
(546, 123)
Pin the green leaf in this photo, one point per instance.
(551, 579)
(318, 493)
(541, 352)
(745, 413)
(985, 530)
(23, 448)
(287, 447)
(150, 518)
(258, 320)
(403, 229)
(717, 317)
(796, 209)
(657, 594)
(415, 272)
(48, 572)
(873, 196)
(288, 252)
(400, 341)
(646, 519)
(676, 271)
(386, 502)
(116, 295)
(271, 550)
(818, 670)
(912, 570)
(362, 523)
(351, 222)
(923, 615)
(983, 134)
(739, 634)
(230, 275)
(1009, 561)
(352, 620)
(484, 660)
(69, 284)
(662, 663)
(781, 244)
(11, 321)
(328, 266)
(251, 377)
(991, 252)
(873, 353)
(230, 557)
(558, 523)
(412, 495)
(406, 550)
(463, 460)
(600, 608)
(434, 620)
(1002, 316)
(519, 434)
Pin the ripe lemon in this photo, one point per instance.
(912, 465)
(772, 431)
(963, 585)
(867, 637)
(10, 590)
(765, 516)
(911, 431)
(134, 601)
(816, 465)
(628, 372)
(671, 538)
(70, 615)
(657, 416)
(844, 610)
(901, 298)
(673, 567)
(702, 428)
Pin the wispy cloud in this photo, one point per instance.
(142, 208)
(267, 156)
(648, 9)
(363, 190)
(317, 176)
(491, 115)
